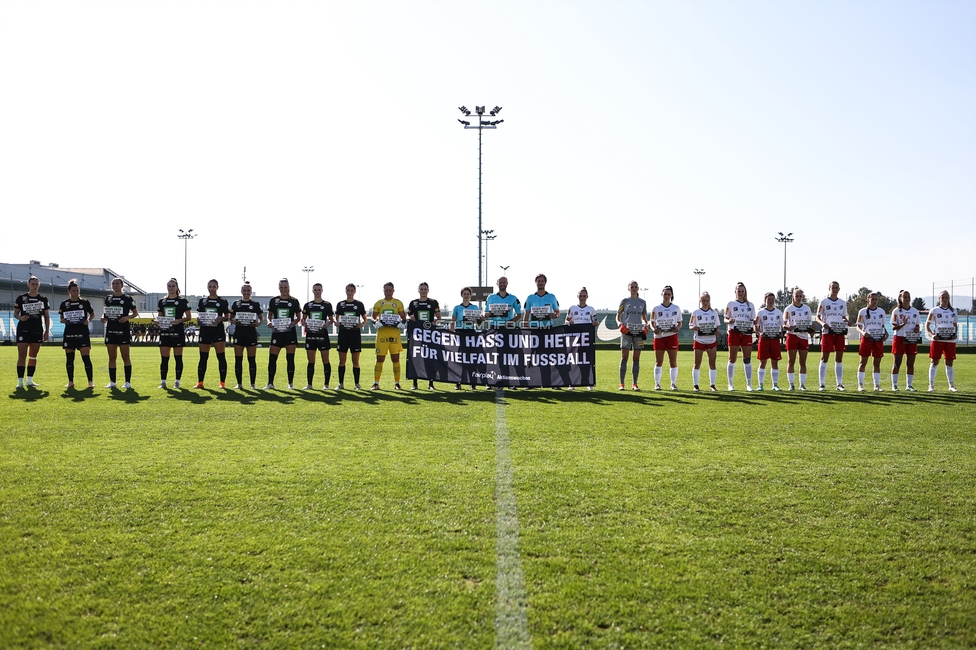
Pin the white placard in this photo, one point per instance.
(499, 309)
(665, 324)
(771, 330)
(802, 325)
(876, 332)
(706, 329)
(113, 312)
(743, 326)
(245, 317)
(945, 332)
(390, 320)
(165, 322)
(472, 315)
(836, 324)
(349, 320)
(541, 312)
(207, 318)
(281, 324)
(913, 337)
(75, 316)
(32, 308)
(314, 324)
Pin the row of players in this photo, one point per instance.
(503, 309)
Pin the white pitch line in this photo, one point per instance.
(511, 623)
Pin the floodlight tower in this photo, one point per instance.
(186, 236)
(784, 239)
(488, 235)
(481, 126)
(307, 270)
(699, 273)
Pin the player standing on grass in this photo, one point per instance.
(245, 316)
(390, 313)
(173, 312)
(211, 313)
(666, 321)
(769, 326)
(871, 326)
(581, 314)
(351, 315)
(465, 316)
(704, 322)
(424, 310)
(118, 309)
(740, 316)
(941, 327)
(832, 315)
(316, 318)
(540, 307)
(284, 312)
(33, 314)
(76, 313)
(906, 324)
(632, 316)
(503, 308)
(798, 319)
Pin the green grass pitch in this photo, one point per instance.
(211, 518)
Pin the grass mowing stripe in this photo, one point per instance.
(511, 624)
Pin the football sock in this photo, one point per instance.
(730, 369)
(932, 370)
(823, 373)
(128, 373)
(179, 367)
(252, 367)
(877, 379)
(290, 366)
(674, 376)
(396, 371)
(658, 371)
(712, 375)
(163, 368)
(839, 373)
(239, 369)
(202, 365)
(775, 377)
(623, 370)
(328, 373)
(377, 371)
(222, 366)
(88, 366)
(310, 373)
(634, 371)
(69, 364)
(272, 367)
(111, 374)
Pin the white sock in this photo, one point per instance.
(894, 382)
(674, 376)
(860, 379)
(877, 379)
(951, 375)
(658, 370)
(789, 378)
(910, 379)
(839, 373)
(695, 375)
(730, 369)
(775, 377)
(932, 370)
(823, 373)
(803, 379)
(712, 374)
(748, 369)
(762, 376)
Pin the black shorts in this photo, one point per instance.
(29, 335)
(76, 341)
(246, 337)
(118, 337)
(211, 335)
(350, 340)
(284, 339)
(318, 342)
(172, 339)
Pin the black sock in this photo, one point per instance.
(163, 368)
(128, 374)
(222, 366)
(290, 366)
(328, 373)
(355, 375)
(179, 367)
(310, 372)
(111, 375)
(202, 366)
(252, 367)
(342, 373)
(69, 365)
(20, 371)
(272, 367)
(239, 369)
(88, 366)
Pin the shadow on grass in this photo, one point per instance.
(191, 396)
(79, 394)
(130, 395)
(28, 395)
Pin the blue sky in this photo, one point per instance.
(641, 140)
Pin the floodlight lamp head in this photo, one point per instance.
(496, 110)
(463, 122)
(464, 109)
(480, 110)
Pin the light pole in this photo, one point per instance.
(482, 125)
(488, 237)
(644, 290)
(186, 237)
(784, 239)
(699, 273)
(308, 271)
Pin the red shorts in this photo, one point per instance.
(769, 349)
(704, 346)
(736, 338)
(898, 346)
(871, 348)
(830, 342)
(669, 342)
(938, 348)
(794, 342)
